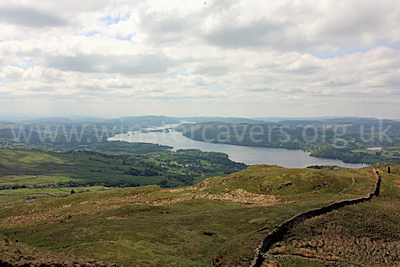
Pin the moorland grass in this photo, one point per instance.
(126, 227)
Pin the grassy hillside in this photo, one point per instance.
(35, 173)
(367, 235)
(219, 221)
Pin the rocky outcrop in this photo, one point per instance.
(278, 234)
(239, 195)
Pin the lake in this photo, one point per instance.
(248, 155)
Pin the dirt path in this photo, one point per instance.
(350, 187)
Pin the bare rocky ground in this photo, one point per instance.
(14, 253)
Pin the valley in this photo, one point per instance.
(146, 204)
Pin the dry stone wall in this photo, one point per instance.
(279, 232)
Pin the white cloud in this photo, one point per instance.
(12, 73)
(222, 58)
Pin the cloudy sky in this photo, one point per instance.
(112, 58)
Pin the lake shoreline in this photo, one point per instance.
(250, 155)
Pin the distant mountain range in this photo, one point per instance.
(160, 120)
(221, 119)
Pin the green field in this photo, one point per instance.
(219, 221)
(36, 169)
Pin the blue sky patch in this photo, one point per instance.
(91, 33)
(127, 37)
(351, 49)
(394, 45)
(219, 88)
(109, 20)
(102, 77)
(28, 64)
(340, 52)
(3, 82)
(183, 71)
(99, 77)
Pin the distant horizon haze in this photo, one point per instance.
(11, 117)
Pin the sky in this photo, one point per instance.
(111, 58)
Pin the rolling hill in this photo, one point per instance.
(219, 221)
